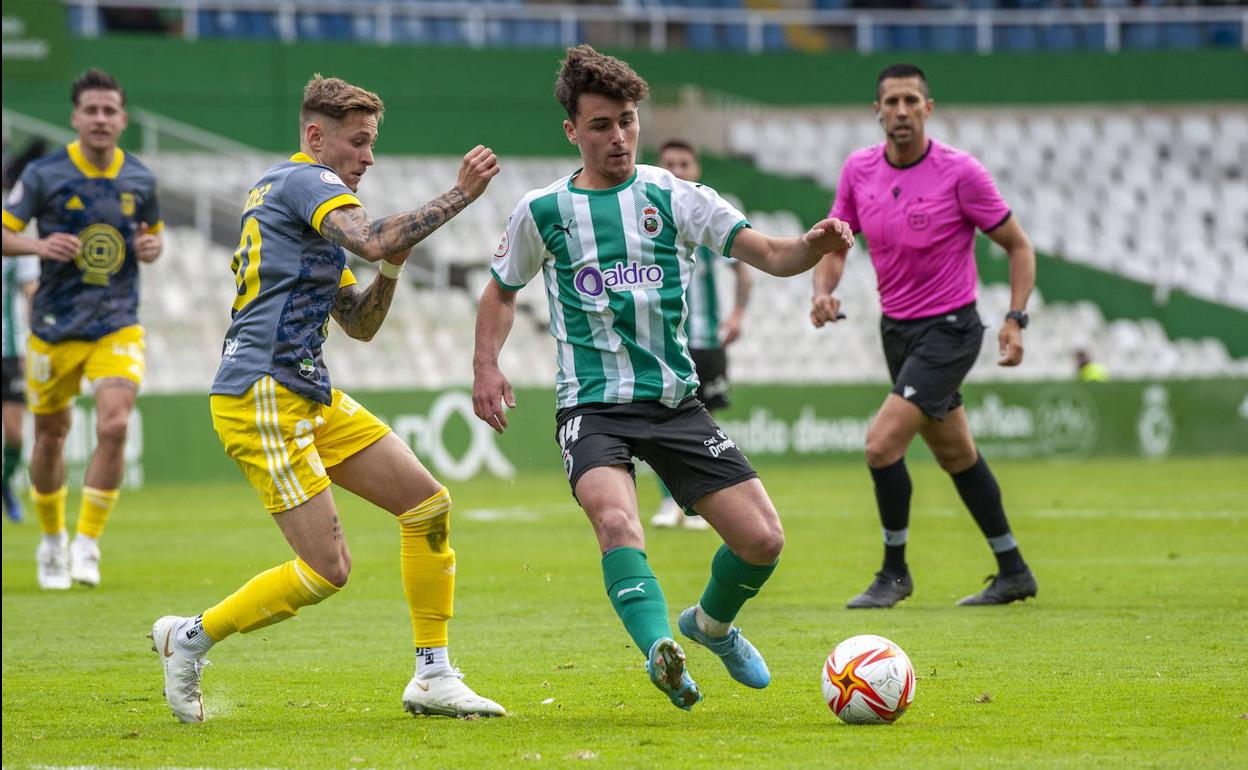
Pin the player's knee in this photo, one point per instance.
(112, 429)
(614, 525)
(881, 452)
(50, 435)
(337, 571)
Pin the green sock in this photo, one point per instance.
(12, 460)
(663, 490)
(636, 596)
(733, 582)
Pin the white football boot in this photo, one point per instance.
(695, 522)
(183, 670)
(668, 515)
(447, 695)
(53, 561)
(84, 561)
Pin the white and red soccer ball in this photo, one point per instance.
(868, 680)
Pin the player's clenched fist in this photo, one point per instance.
(147, 246)
(830, 235)
(824, 309)
(479, 167)
(60, 247)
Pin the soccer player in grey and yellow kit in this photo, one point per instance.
(98, 218)
(292, 433)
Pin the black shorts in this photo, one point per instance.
(685, 446)
(14, 385)
(929, 357)
(712, 367)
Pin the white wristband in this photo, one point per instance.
(391, 270)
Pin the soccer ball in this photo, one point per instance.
(868, 680)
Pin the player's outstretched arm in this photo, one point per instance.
(790, 256)
(1011, 237)
(490, 388)
(376, 239)
(360, 312)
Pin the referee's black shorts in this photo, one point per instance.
(928, 358)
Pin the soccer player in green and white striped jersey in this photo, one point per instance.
(616, 242)
(709, 336)
(21, 276)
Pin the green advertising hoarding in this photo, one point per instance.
(36, 42)
(172, 438)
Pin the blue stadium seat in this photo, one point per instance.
(410, 29)
(1015, 38)
(774, 38)
(1060, 37)
(258, 25)
(906, 37)
(702, 37)
(448, 32)
(1225, 34)
(952, 38)
(1181, 35)
(1141, 36)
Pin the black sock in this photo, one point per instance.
(892, 497)
(979, 490)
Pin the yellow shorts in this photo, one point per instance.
(54, 370)
(284, 442)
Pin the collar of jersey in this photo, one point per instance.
(89, 169)
(608, 191)
(303, 157)
(923, 157)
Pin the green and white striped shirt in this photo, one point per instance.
(18, 271)
(617, 265)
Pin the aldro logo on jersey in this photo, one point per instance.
(102, 253)
(619, 277)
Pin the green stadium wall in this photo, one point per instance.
(172, 439)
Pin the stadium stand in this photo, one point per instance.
(700, 25)
(429, 333)
(1155, 195)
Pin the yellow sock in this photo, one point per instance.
(427, 563)
(50, 508)
(97, 504)
(268, 598)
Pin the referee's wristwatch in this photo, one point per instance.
(1020, 317)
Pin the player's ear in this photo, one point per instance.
(569, 130)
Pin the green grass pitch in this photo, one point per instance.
(1134, 655)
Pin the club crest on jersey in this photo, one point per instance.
(127, 204)
(619, 277)
(307, 367)
(651, 223)
(329, 177)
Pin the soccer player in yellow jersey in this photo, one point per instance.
(292, 433)
(98, 218)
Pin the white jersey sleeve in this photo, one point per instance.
(704, 218)
(520, 253)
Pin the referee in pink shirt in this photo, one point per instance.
(919, 203)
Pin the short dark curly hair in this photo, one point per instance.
(95, 80)
(585, 71)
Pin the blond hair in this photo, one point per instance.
(585, 71)
(333, 98)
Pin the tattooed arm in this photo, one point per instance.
(351, 228)
(360, 311)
